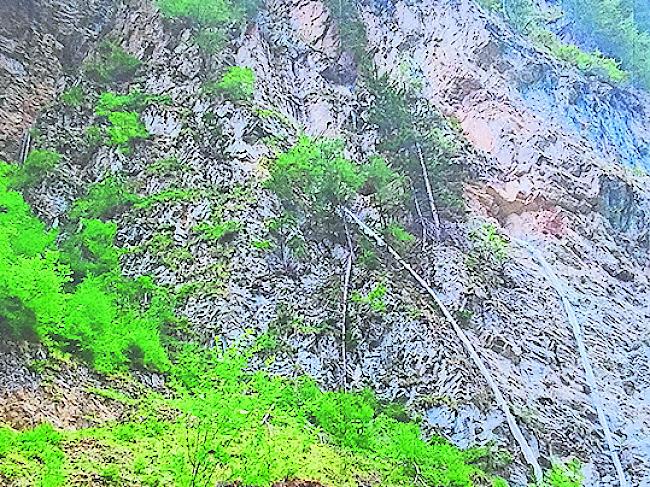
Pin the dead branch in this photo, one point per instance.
(346, 288)
(530, 457)
(427, 185)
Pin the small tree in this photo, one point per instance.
(237, 84)
(314, 174)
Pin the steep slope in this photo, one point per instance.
(548, 154)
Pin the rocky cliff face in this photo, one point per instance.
(550, 152)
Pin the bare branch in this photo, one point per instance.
(427, 185)
(527, 451)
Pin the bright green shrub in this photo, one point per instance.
(617, 29)
(103, 317)
(31, 278)
(112, 64)
(568, 475)
(123, 114)
(125, 127)
(374, 299)
(490, 243)
(135, 101)
(237, 84)
(91, 250)
(210, 13)
(104, 200)
(526, 17)
(315, 174)
(399, 235)
(110, 330)
(590, 62)
(388, 186)
(95, 136)
(34, 452)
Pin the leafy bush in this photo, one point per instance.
(410, 138)
(212, 13)
(135, 101)
(616, 30)
(30, 278)
(314, 174)
(91, 250)
(525, 16)
(374, 299)
(237, 84)
(490, 245)
(112, 64)
(101, 315)
(387, 185)
(217, 231)
(125, 127)
(590, 62)
(104, 199)
(568, 475)
(36, 451)
(73, 97)
(123, 114)
(399, 235)
(37, 165)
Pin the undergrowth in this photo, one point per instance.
(73, 297)
(226, 424)
(111, 64)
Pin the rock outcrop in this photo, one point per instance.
(551, 153)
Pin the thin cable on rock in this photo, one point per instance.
(518, 435)
(582, 350)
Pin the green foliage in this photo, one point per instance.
(91, 250)
(237, 84)
(214, 18)
(409, 138)
(125, 127)
(123, 114)
(257, 429)
(102, 316)
(400, 236)
(164, 167)
(314, 174)
(490, 243)
(135, 101)
(388, 186)
(216, 231)
(374, 299)
(73, 97)
(617, 30)
(525, 16)
(568, 475)
(210, 14)
(112, 64)
(104, 199)
(30, 277)
(94, 136)
(37, 165)
(590, 62)
(36, 453)
(352, 30)
(262, 244)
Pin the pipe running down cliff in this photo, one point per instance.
(582, 349)
(518, 435)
